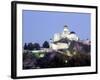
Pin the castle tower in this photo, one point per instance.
(73, 36)
(65, 32)
(56, 37)
(51, 43)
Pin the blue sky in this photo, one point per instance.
(39, 26)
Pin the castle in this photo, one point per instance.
(58, 43)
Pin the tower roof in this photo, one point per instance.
(72, 32)
(65, 26)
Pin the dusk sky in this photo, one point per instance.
(40, 26)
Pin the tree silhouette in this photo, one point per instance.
(36, 46)
(30, 46)
(25, 46)
(46, 44)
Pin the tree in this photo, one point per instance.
(30, 46)
(36, 46)
(46, 44)
(25, 46)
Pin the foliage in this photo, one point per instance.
(54, 60)
(37, 55)
(25, 46)
(59, 58)
(36, 46)
(31, 46)
(46, 44)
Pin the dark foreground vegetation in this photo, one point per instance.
(54, 60)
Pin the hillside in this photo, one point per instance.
(78, 54)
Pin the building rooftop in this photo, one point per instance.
(65, 26)
(72, 32)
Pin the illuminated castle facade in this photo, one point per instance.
(57, 44)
